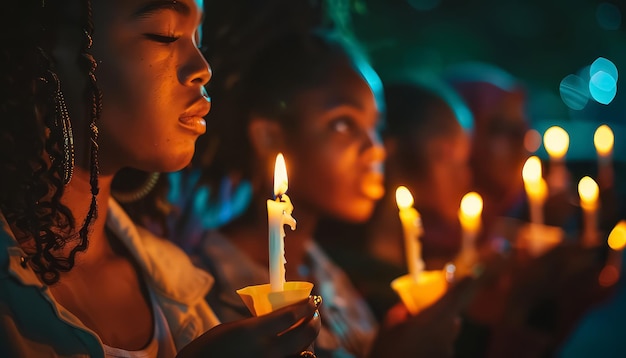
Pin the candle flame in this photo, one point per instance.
(532, 170)
(603, 140)
(617, 237)
(280, 176)
(404, 199)
(588, 191)
(556, 141)
(472, 205)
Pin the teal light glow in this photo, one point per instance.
(605, 65)
(574, 92)
(602, 87)
(424, 5)
(609, 16)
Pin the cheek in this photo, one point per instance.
(332, 187)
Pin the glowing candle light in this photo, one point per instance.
(278, 215)
(412, 228)
(603, 140)
(617, 237)
(556, 141)
(536, 188)
(470, 218)
(588, 191)
(612, 270)
(470, 213)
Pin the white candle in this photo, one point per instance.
(536, 188)
(603, 140)
(278, 215)
(470, 217)
(613, 267)
(556, 142)
(412, 228)
(588, 191)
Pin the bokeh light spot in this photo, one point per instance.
(532, 140)
(609, 16)
(602, 87)
(574, 92)
(605, 65)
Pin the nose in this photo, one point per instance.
(373, 148)
(195, 71)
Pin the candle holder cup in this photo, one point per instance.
(420, 294)
(538, 239)
(261, 300)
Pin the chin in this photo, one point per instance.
(358, 213)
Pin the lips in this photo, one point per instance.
(193, 119)
(372, 185)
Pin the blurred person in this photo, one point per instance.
(428, 152)
(497, 102)
(311, 95)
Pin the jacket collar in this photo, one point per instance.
(165, 267)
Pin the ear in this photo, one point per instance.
(266, 137)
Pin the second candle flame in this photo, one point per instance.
(281, 183)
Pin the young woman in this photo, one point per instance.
(88, 88)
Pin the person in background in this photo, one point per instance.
(428, 152)
(310, 95)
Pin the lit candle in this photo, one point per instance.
(278, 215)
(470, 214)
(412, 227)
(556, 142)
(588, 192)
(536, 188)
(603, 140)
(617, 237)
(470, 218)
(612, 270)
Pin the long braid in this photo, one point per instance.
(32, 151)
(95, 97)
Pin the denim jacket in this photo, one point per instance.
(33, 324)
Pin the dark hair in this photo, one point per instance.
(413, 117)
(31, 186)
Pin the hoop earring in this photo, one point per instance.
(62, 119)
(144, 189)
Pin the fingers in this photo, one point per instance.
(298, 338)
(457, 297)
(286, 317)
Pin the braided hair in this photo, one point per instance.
(31, 144)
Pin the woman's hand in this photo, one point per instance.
(431, 333)
(287, 331)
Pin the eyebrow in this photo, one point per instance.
(155, 6)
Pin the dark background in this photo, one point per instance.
(538, 41)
